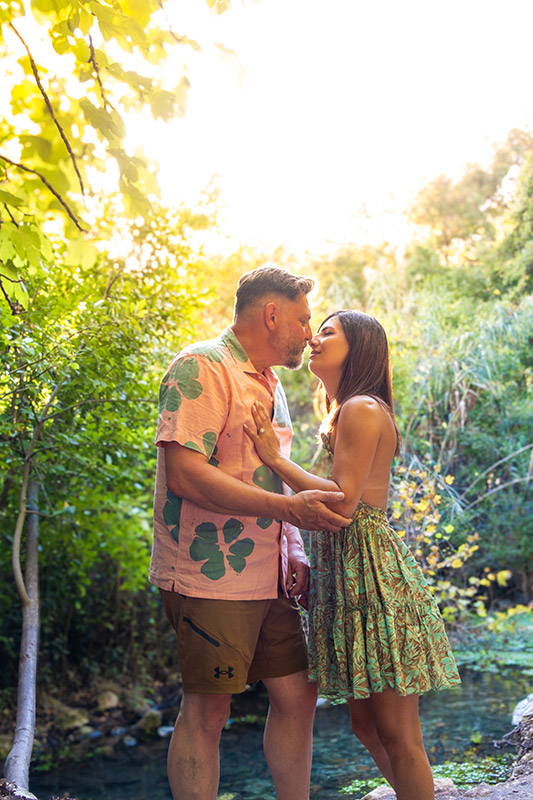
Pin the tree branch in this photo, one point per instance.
(11, 217)
(178, 39)
(496, 464)
(97, 71)
(49, 107)
(49, 187)
(12, 306)
(497, 489)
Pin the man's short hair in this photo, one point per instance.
(263, 281)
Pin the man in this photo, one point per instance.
(220, 551)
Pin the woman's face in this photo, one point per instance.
(329, 349)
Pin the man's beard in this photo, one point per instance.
(290, 354)
(294, 357)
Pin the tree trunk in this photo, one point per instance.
(17, 764)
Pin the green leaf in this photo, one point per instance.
(193, 446)
(237, 563)
(266, 479)
(231, 530)
(81, 50)
(209, 439)
(162, 104)
(11, 199)
(60, 44)
(214, 568)
(173, 400)
(163, 392)
(207, 531)
(110, 124)
(242, 548)
(127, 165)
(172, 509)
(86, 21)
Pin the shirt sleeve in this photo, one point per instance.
(193, 405)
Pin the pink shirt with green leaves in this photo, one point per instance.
(205, 398)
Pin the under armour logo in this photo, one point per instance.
(219, 672)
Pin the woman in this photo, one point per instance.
(376, 635)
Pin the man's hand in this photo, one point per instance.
(298, 569)
(312, 514)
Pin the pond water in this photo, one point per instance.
(459, 725)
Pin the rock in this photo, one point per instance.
(445, 789)
(119, 731)
(165, 730)
(481, 790)
(71, 718)
(87, 732)
(523, 709)
(519, 789)
(135, 701)
(67, 718)
(107, 700)
(11, 790)
(445, 786)
(524, 763)
(381, 793)
(149, 722)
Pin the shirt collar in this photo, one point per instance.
(241, 358)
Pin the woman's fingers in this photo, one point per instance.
(252, 434)
(259, 414)
(261, 418)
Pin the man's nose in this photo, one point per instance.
(309, 334)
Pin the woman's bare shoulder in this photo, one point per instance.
(362, 404)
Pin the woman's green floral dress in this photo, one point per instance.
(373, 621)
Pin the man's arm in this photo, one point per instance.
(191, 476)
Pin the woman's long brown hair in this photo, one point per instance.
(367, 367)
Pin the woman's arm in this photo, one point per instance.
(359, 429)
(267, 446)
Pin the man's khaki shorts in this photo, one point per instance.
(225, 644)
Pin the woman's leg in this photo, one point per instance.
(364, 727)
(398, 728)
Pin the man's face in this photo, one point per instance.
(293, 332)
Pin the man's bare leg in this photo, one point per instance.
(288, 739)
(193, 755)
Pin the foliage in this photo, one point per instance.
(75, 70)
(504, 639)
(96, 340)
(489, 769)
(422, 504)
(458, 215)
(460, 327)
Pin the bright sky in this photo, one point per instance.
(337, 105)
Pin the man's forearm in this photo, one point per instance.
(211, 488)
(189, 475)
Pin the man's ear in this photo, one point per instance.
(271, 315)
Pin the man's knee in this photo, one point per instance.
(205, 713)
(292, 694)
